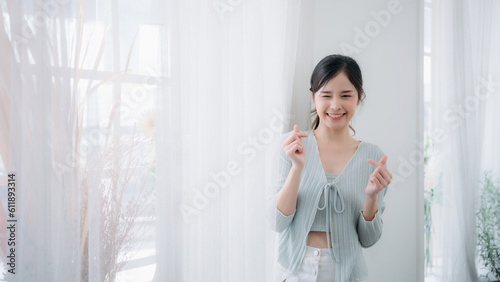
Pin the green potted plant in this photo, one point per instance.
(488, 224)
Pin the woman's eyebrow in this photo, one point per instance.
(345, 91)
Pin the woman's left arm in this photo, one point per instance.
(370, 221)
(370, 208)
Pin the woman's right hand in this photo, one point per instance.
(294, 147)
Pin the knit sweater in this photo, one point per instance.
(350, 231)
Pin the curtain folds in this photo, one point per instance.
(144, 123)
(224, 108)
(39, 133)
(465, 76)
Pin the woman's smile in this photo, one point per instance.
(335, 117)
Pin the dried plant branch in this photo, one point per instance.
(119, 227)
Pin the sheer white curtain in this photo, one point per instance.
(38, 121)
(465, 79)
(80, 82)
(219, 119)
(77, 79)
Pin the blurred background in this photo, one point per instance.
(137, 138)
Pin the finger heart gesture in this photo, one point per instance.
(379, 179)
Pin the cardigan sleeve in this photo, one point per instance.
(369, 232)
(277, 220)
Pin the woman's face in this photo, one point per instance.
(337, 97)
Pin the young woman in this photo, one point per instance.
(330, 193)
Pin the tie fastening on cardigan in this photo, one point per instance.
(336, 195)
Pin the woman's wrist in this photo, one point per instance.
(370, 207)
(297, 168)
(369, 197)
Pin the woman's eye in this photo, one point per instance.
(342, 96)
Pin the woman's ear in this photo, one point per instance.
(359, 100)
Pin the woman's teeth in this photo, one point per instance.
(335, 116)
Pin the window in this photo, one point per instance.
(119, 66)
(432, 189)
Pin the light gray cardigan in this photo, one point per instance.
(346, 195)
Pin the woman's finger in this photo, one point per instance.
(296, 146)
(296, 130)
(299, 148)
(295, 136)
(298, 141)
(287, 147)
(383, 182)
(383, 160)
(384, 173)
(293, 141)
(373, 163)
(384, 168)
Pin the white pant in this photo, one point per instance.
(317, 266)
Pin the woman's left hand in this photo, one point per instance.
(379, 179)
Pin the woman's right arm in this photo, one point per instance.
(283, 202)
(286, 202)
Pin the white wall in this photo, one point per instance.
(390, 118)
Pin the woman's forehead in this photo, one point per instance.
(338, 83)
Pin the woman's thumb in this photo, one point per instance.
(296, 128)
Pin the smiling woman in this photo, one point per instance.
(336, 88)
(329, 205)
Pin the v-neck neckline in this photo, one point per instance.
(319, 157)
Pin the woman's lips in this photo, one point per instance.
(332, 118)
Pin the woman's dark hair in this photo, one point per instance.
(330, 67)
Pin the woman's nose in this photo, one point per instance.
(336, 104)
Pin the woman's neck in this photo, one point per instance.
(333, 137)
